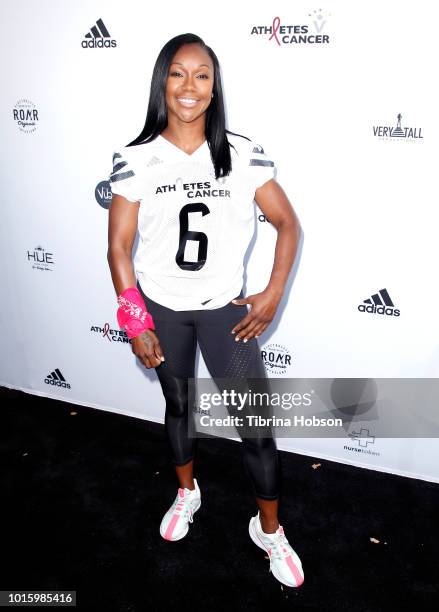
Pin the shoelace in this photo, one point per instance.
(183, 504)
(279, 546)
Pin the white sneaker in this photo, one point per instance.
(285, 564)
(175, 523)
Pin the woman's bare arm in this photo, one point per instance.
(122, 228)
(274, 203)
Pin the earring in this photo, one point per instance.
(212, 96)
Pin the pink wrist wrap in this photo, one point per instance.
(132, 315)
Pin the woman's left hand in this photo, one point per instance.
(263, 308)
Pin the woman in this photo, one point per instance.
(187, 185)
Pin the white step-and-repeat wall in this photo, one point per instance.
(342, 96)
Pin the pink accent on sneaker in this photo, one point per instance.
(289, 560)
(173, 521)
(171, 527)
(294, 570)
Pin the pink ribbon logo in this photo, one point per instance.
(275, 26)
(106, 330)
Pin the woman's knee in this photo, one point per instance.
(264, 447)
(175, 391)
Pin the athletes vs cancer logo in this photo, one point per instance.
(112, 335)
(282, 34)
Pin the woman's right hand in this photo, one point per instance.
(147, 348)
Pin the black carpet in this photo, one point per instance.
(83, 496)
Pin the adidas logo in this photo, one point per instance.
(98, 36)
(153, 161)
(56, 379)
(379, 303)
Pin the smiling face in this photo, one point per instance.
(189, 83)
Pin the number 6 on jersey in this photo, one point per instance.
(186, 234)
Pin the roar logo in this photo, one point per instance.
(277, 358)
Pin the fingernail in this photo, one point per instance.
(237, 338)
(245, 339)
(233, 332)
(162, 358)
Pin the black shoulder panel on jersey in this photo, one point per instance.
(261, 162)
(116, 175)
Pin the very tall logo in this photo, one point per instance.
(398, 131)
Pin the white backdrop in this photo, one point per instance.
(325, 109)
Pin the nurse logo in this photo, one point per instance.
(25, 115)
(277, 358)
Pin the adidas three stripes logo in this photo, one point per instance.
(56, 379)
(379, 303)
(98, 37)
(98, 31)
(56, 375)
(380, 298)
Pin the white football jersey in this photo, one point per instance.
(194, 230)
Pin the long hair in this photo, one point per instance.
(157, 113)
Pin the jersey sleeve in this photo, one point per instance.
(123, 179)
(261, 165)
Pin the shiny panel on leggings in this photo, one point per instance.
(178, 333)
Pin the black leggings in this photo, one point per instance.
(178, 333)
